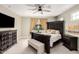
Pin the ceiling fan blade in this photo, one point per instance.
(37, 5)
(33, 9)
(47, 6)
(35, 12)
(47, 10)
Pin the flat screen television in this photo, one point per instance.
(6, 21)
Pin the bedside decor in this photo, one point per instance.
(38, 27)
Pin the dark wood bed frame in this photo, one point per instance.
(42, 38)
(56, 25)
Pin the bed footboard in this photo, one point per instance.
(42, 38)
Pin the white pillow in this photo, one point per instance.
(54, 32)
(57, 32)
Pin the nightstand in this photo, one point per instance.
(70, 42)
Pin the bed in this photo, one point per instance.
(54, 36)
(48, 38)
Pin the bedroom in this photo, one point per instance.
(31, 18)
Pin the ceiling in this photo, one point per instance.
(23, 9)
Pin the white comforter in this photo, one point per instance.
(53, 38)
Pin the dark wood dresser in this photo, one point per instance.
(70, 42)
(7, 39)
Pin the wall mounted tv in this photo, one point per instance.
(6, 21)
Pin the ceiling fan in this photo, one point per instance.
(39, 8)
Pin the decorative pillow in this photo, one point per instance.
(57, 31)
(51, 31)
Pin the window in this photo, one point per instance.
(75, 16)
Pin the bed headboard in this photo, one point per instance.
(57, 25)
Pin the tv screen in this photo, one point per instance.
(6, 21)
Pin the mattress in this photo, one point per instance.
(53, 38)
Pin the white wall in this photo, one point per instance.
(51, 19)
(26, 27)
(67, 16)
(18, 21)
